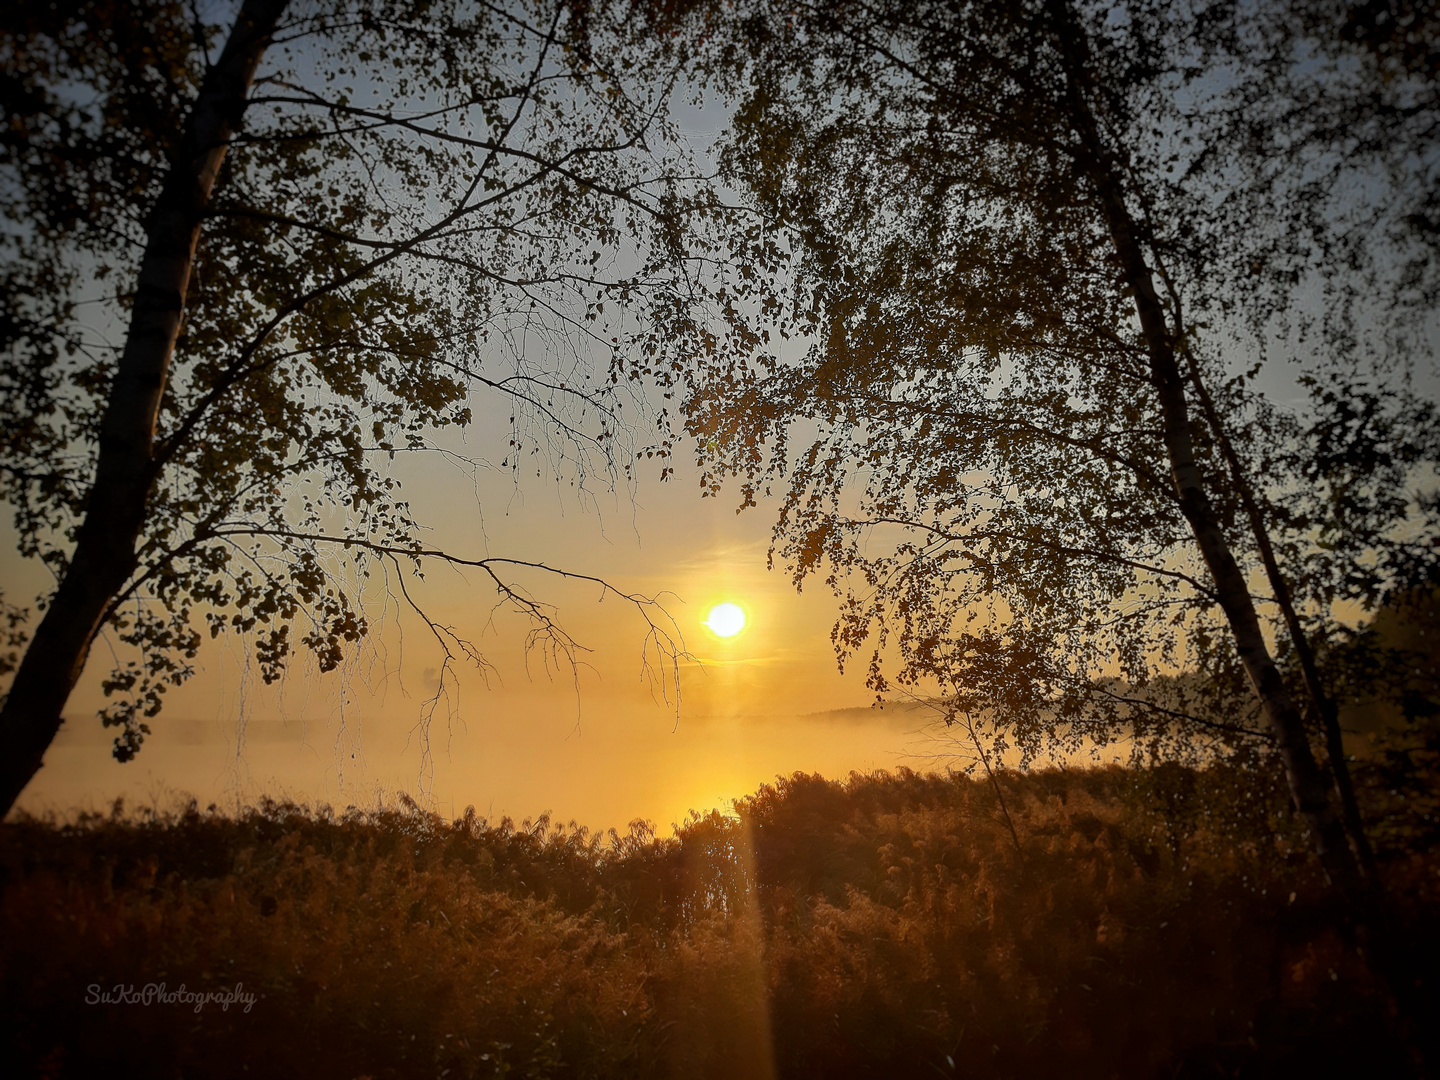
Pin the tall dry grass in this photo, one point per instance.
(1163, 922)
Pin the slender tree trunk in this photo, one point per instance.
(1325, 709)
(105, 546)
(1308, 790)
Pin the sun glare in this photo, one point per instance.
(726, 620)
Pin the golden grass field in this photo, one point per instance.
(1151, 923)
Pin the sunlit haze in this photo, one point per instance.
(758, 694)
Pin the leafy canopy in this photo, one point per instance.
(430, 201)
(970, 450)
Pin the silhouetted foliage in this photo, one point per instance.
(1040, 254)
(238, 283)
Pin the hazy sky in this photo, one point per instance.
(602, 748)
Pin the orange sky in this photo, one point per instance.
(750, 708)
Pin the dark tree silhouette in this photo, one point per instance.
(316, 243)
(1040, 247)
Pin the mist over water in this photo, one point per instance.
(614, 767)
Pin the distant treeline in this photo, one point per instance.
(1156, 922)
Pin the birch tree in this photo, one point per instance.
(314, 232)
(1041, 250)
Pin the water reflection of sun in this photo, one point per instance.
(726, 620)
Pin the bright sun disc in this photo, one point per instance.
(726, 620)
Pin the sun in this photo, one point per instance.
(726, 620)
